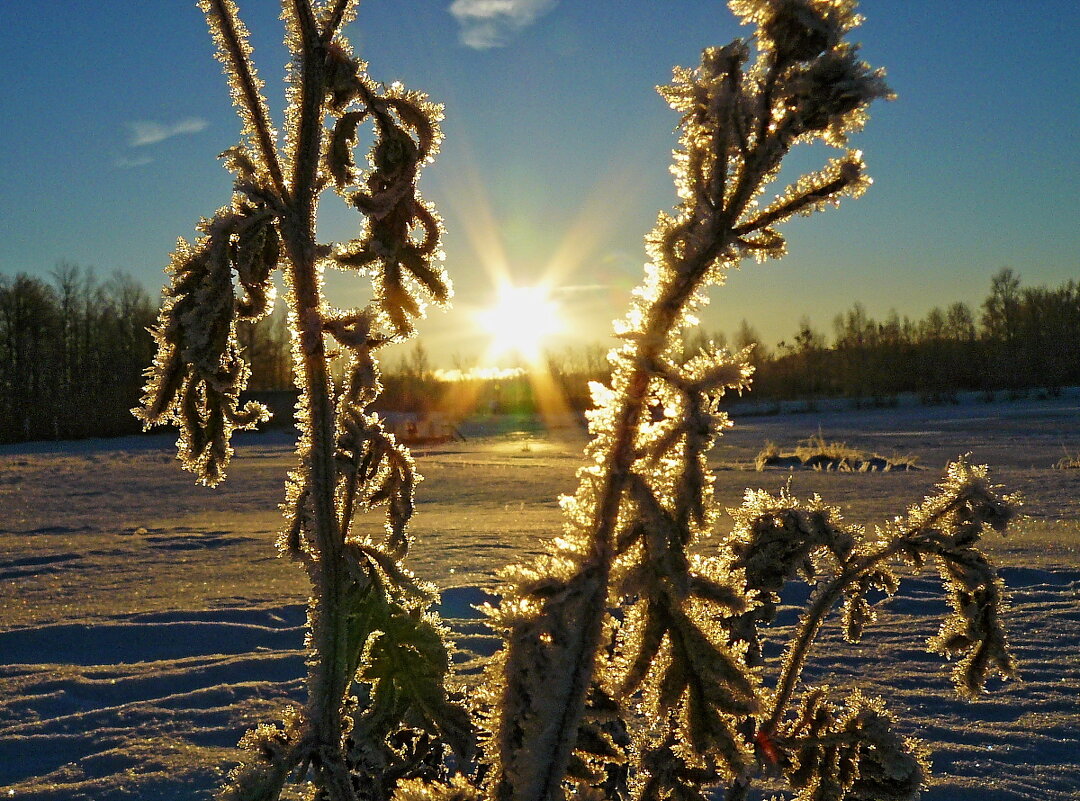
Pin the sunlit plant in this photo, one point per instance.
(370, 637)
(633, 664)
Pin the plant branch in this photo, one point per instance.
(309, 129)
(334, 20)
(253, 101)
(799, 649)
(753, 168)
(786, 210)
(309, 29)
(823, 604)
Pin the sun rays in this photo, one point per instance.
(521, 322)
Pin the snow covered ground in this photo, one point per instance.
(145, 622)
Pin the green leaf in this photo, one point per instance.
(409, 659)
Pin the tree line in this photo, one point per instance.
(73, 350)
(1018, 339)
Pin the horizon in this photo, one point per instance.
(556, 156)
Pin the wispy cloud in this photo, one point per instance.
(490, 23)
(149, 132)
(127, 163)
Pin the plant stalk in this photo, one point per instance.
(664, 313)
(800, 648)
(252, 99)
(329, 682)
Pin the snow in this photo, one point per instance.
(145, 623)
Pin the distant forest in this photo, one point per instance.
(73, 350)
(1019, 339)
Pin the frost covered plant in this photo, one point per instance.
(776, 540)
(633, 662)
(632, 666)
(377, 709)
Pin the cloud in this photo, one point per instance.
(490, 23)
(149, 132)
(127, 163)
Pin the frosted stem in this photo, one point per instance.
(249, 91)
(329, 672)
(811, 624)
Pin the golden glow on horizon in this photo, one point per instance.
(524, 320)
(479, 374)
(521, 321)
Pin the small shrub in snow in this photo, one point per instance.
(1069, 461)
(632, 667)
(816, 453)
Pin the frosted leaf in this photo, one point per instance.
(828, 97)
(774, 540)
(947, 527)
(670, 772)
(544, 614)
(458, 789)
(269, 754)
(974, 632)
(851, 752)
(718, 370)
(378, 471)
(198, 372)
(399, 240)
(339, 157)
(335, 16)
(705, 90)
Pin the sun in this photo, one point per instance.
(520, 321)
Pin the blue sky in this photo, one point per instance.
(557, 147)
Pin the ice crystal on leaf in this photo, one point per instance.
(774, 541)
(401, 233)
(947, 528)
(199, 373)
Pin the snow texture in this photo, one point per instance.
(146, 623)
